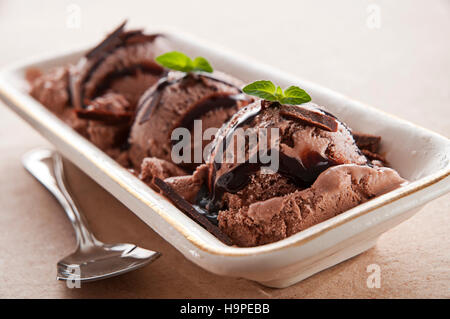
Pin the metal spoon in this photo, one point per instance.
(92, 260)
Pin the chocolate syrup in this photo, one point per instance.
(155, 97)
(211, 103)
(302, 173)
(148, 68)
(244, 116)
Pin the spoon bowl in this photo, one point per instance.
(99, 262)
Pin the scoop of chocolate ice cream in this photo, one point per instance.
(176, 101)
(123, 62)
(321, 173)
(108, 81)
(309, 141)
(98, 95)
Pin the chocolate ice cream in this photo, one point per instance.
(310, 141)
(308, 167)
(98, 95)
(51, 89)
(176, 101)
(122, 63)
(336, 190)
(321, 173)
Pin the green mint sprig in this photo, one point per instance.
(268, 91)
(181, 62)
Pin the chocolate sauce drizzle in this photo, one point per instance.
(302, 173)
(244, 116)
(149, 68)
(154, 97)
(210, 103)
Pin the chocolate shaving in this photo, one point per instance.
(105, 116)
(189, 210)
(119, 37)
(308, 117)
(374, 156)
(110, 41)
(367, 142)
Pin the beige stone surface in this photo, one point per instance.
(403, 67)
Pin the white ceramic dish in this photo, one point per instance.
(421, 156)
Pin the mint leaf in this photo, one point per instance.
(295, 95)
(201, 64)
(263, 89)
(176, 61)
(267, 91)
(279, 93)
(181, 62)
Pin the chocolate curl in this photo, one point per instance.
(111, 40)
(119, 37)
(107, 117)
(374, 156)
(367, 142)
(189, 210)
(308, 117)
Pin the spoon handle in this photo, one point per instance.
(47, 167)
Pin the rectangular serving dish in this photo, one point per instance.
(419, 155)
